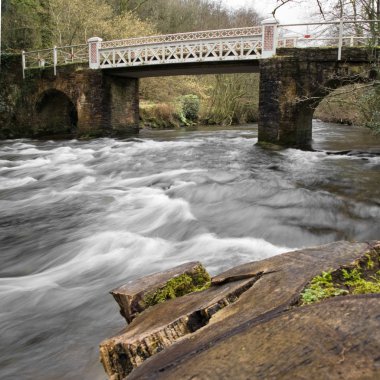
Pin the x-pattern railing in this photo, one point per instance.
(191, 36)
(179, 52)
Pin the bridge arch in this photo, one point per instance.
(307, 107)
(292, 86)
(56, 114)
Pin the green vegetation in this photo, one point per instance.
(357, 104)
(321, 287)
(168, 102)
(180, 286)
(190, 107)
(362, 277)
(223, 99)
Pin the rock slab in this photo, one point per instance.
(248, 325)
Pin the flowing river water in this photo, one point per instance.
(78, 218)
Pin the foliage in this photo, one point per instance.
(76, 21)
(22, 24)
(233, 99)
(354, 104)
(363, 277)
(33, 24)
(174, 16)
(159, 115)
(190, 107)
(359, 285)
(370, 109)
(321, 287)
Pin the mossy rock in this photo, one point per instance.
(361, 277)
(136, 296)
(179, 286)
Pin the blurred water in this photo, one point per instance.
(80, 218)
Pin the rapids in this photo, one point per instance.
(78, 218)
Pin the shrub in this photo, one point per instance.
(190, 107)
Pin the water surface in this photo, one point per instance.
(80, 218)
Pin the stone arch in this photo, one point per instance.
(291, 88)
(56, 114)
(328, 87)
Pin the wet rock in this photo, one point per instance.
(248, 325)
(336, 339)
(136, 296)
(262, 335)
(369, 153)
(162, 325)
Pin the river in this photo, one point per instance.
(78, 218)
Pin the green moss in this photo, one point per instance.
(362, 277)
(321, 287)
(179, 286)
(359, 285)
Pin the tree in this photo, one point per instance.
(22, 26)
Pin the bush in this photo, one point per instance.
(161, 115)
(190, 107)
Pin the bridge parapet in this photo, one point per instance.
(204, 46)
(181, 37)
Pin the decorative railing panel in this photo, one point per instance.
(192, 51)
(178, 37)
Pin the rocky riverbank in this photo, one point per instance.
(250, 323)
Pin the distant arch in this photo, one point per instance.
(332, 85)
(56, 113)
(304, 108)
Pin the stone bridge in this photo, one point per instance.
(93, 89)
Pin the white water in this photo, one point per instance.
(80, 218)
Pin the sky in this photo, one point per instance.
(287, 14)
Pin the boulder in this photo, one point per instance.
(249, 324)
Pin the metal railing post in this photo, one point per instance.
(55, 59)
(340, 39)
(269, 37)
(23, 63)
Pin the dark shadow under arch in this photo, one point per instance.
(56, 113)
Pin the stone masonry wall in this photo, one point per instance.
(105, 105)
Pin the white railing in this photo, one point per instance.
(206, 46)
(54, 57)
(339, 34)
(179, 37)
(182, 52)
